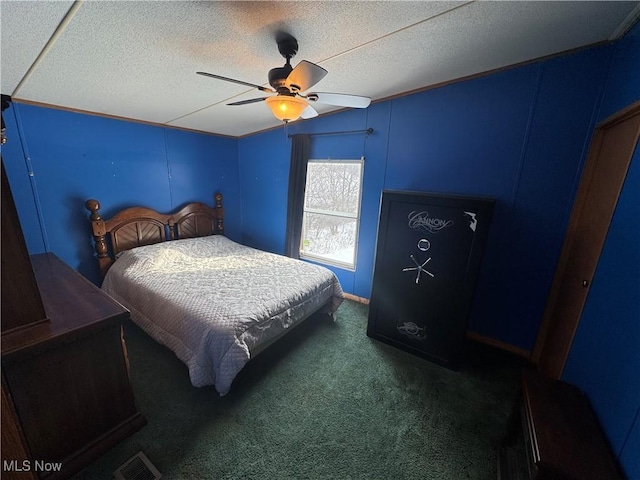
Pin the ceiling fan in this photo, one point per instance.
(288, 82)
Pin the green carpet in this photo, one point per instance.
(325, 402)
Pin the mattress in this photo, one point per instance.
(215, 302)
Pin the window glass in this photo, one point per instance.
(331, 211)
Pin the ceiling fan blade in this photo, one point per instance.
(239, 82)
(340, 99)
(309, 112)
(304, 76)
(247, 102)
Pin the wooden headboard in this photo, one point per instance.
(138, 226)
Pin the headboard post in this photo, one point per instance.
(220, 216)
(172, 229)
(99, 233)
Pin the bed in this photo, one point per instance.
(215, 303)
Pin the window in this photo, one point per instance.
(331, 212)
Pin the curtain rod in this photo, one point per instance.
(368, 131)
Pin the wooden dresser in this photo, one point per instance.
(66, 395)
(553, 434)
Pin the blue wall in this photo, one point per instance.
(519, 136)
(264, 177)
(605, 357)
(75, 157)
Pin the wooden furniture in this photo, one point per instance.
(21, 303)
(139, 226)
(553, 434)
(66, 394)
(428, 256)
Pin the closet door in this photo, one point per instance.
(428, 255)
(612, 148)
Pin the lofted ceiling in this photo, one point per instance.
(138, 59)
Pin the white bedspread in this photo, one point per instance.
(214, 302)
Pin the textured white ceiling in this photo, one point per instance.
(138, 59)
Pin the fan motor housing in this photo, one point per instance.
(278, 76)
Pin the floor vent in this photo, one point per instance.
(137, 467)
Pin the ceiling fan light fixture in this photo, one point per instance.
(285, 107)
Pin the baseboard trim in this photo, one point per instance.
(498, 344)
(470, 335)
(364, 301)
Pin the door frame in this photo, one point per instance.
(552, 360)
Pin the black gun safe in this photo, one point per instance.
(428, 254)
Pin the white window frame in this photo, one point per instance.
(356, 216)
